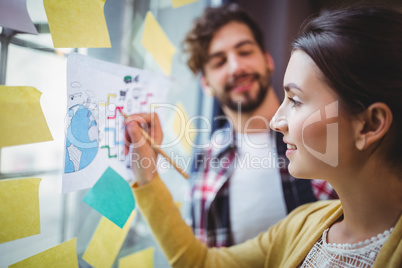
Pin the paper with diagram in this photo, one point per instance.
(96, 92)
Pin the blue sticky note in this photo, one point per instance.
(112, 197)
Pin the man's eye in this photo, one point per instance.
(295, 102)
(245, 52)
(217, 62)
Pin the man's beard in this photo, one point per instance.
(250, 104)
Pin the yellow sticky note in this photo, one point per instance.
(179, 3)
(184, 129)
(178, 204)
(61, 256)
(19, 208)
(143, 259)
(77, 23)
(106, 242)
(22, 119)
(157, 43)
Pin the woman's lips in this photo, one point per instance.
(291, 148)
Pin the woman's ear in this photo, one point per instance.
(205, 86)
(372, 125)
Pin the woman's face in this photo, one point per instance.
(317, 132)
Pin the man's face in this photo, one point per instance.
(237, 71)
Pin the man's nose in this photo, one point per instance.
(234, 64)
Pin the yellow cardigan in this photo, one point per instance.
(284, 245)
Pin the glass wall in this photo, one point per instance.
(32, 61)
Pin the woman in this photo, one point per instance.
(341, 119)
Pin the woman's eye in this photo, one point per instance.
(295, 102)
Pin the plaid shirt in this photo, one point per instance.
(212, 169)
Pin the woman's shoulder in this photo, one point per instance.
(318, 206)
(303, 226)
(318, 209)
(313, 214)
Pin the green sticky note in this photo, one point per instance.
(112, 197)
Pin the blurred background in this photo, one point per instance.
(32, 61)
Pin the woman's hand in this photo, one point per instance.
(142, 156)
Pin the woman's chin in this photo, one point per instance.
(297, 172)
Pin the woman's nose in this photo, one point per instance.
(279, 123)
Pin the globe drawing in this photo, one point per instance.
(81, 138)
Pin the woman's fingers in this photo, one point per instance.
(150, 123)
(156, 130)
(143, 157)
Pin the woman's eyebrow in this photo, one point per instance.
(287, 87)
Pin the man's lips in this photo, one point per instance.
(242, 87)
(242, 83)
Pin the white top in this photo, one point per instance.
(362, 254)
(256, 199)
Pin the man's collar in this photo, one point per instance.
(223, 140)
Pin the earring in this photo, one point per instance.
(209, 92)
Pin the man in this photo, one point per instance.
(242, 177)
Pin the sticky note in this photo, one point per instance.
(143, 259)
(61, 256)
(106, 243)
(112, 197)
(183, 128)
(19, 208)
(178, 204)
(157, 43)
(10, 10)
(77, 23)
(179, 3)
(22, 120)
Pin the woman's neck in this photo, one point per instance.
(372, 203)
